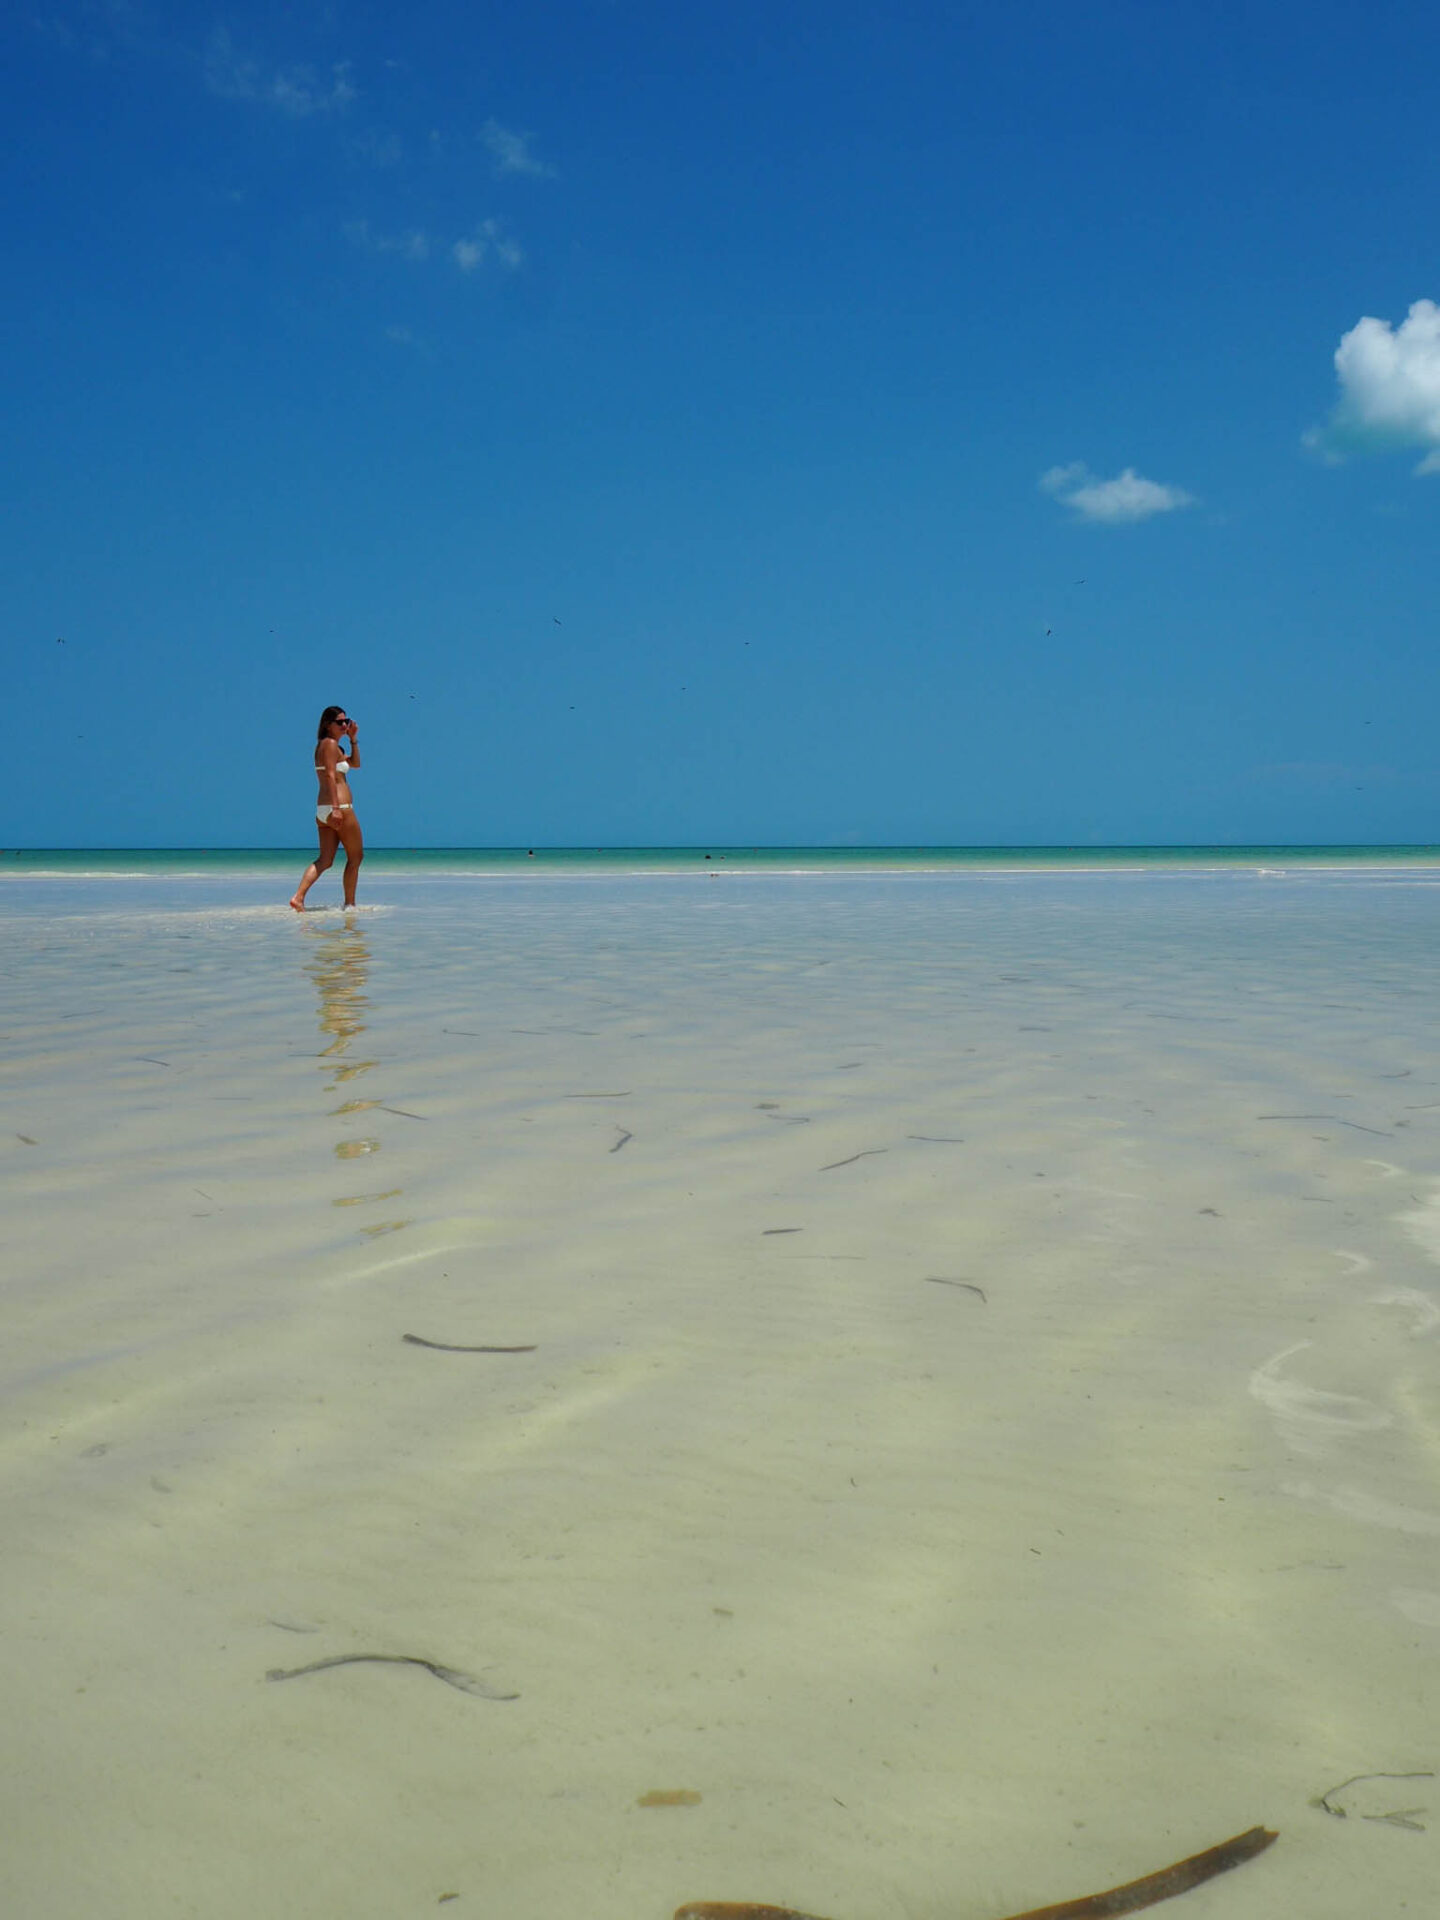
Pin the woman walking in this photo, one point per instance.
(334, 808)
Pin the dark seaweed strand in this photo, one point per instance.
(1159, 1886)
(737, 1910)
(452, 1676)
(444, 1346)
(1322, 1800)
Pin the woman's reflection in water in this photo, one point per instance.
(339, 964)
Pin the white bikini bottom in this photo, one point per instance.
(322, 814)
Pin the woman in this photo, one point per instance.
(335, 810)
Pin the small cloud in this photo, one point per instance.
(402, 336)
(486, 240)
(1129, 496)
(1389, 389)
(1316, 440)
(414, 245)
(296, 91)
(511, 152)
(1057, 479)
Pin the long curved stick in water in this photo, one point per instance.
(1091, 1906)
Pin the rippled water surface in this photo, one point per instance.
(965, 1429)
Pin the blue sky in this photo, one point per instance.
(787, 423)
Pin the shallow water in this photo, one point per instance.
(981, 1443)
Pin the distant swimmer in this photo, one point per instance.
(335, 810)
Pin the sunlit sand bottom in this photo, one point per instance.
(906, 1399)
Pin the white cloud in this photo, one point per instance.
(1389, 388)
(296, 91)
(414, 245)
(1129, 496)
(487, 239)
(511, 152)
(101, 28)
(485, 243)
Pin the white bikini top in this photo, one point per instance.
(341, 766)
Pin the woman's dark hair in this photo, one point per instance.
(330, 713)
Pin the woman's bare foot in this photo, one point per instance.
(297, 901)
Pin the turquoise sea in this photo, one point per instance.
(77, 862)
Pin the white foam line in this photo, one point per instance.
(400, 1260)
(1354, 1504)
(1425, 1310)
(1306, 1414)
(1358, 1262)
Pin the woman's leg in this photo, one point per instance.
(329, 840)
(354, 843)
